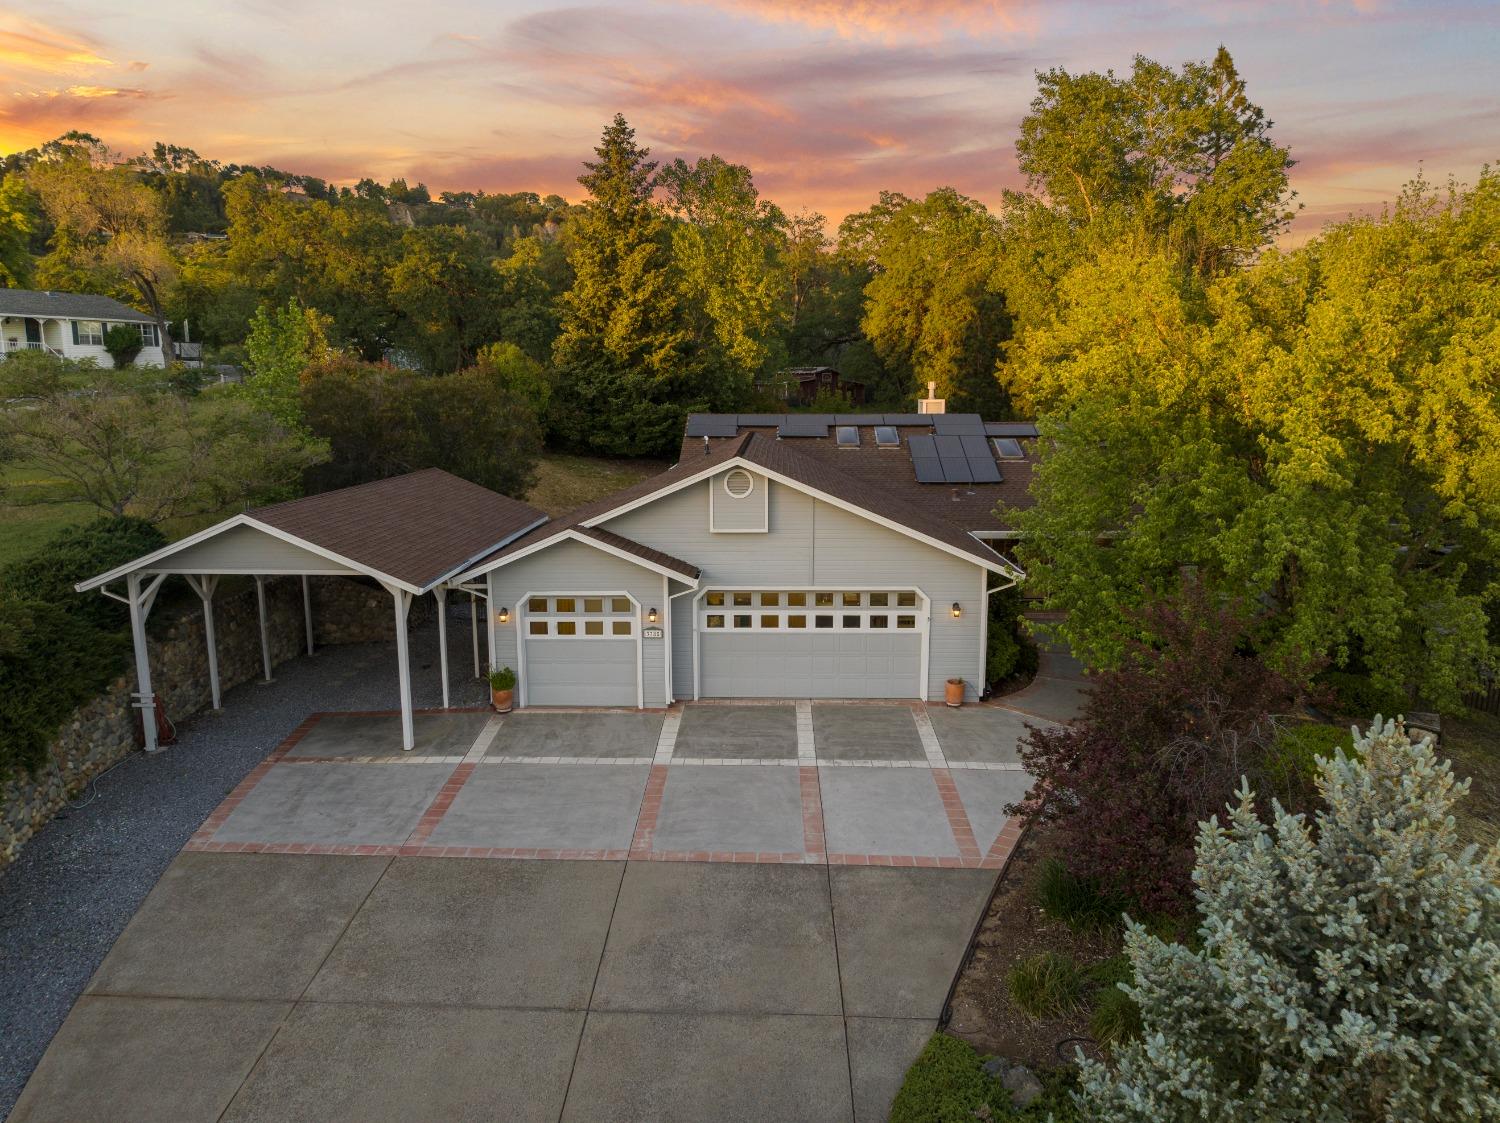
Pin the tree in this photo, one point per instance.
(123, 342)
(381, 421)
(1348, 971)
(283, 342)
(446, 295)
(1162, 743)
(124, 443)
(726, 243)
(106, 219)
(17, 221)
(932, 308)
(1182, 159)
(628, 369)
(1319, 434)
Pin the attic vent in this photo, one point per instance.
(738, 483)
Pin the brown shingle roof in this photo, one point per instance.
(631, 546)
(417, 528)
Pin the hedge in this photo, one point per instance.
(59, 648)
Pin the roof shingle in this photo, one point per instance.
(68, 306)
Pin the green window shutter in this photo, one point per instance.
(74, 324)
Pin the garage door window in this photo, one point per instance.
(860, 611)
(574, 617)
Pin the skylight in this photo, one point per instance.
(887, 437)
(848, 436)
(1008, 448)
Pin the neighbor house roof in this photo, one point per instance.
(68, 306)
(415, 530)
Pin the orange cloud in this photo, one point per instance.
(33, 46)
(889, 19)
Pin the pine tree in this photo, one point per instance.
(627, 371)
(1349, 973)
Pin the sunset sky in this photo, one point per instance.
(828, 102)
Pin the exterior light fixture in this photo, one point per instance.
(957, 611)
(651, 616)
(503, 615)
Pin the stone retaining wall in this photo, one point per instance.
(103, 730)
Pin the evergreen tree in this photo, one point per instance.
(1349, 974)
(627, 368)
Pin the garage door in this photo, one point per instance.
(811, 643)
(581, 650)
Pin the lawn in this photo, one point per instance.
(24, 528)
(564, 481)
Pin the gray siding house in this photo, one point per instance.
(781, 557)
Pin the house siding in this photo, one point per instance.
(57, 336)
(246, 549)
(814, 544)
(572, 567)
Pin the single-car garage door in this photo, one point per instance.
(580, 650)
(812, 643)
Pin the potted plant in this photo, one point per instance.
(953, 692)
(502, 688)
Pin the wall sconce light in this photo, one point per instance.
(957, 611)
(503, 615)
(651, 616)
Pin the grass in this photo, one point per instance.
(1074, 900)
(1473, 745)
(1046, 985)
(565, 481)
(24, 528)
(1116, 1018)
(947, 1084)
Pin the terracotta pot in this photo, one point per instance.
(953, 692)
(502, 700)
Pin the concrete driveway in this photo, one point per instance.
(759, 919)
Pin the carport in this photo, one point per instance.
(413, 534)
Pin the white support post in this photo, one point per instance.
(403, 665)
(145, 700)
(474, 629)
(204, 585)
(441, 593)
(307, 612)
(265, 625)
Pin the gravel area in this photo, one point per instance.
(81, 878)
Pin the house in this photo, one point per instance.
(801, 385)
(782, 556)
(71, 325)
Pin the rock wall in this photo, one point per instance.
(103, 730)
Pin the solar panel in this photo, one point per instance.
(711, 425)
(922, 446)
(985, 471)
(976, 447)
(858, 419)
(956, 470)
(887, 437)
(908, 419)
(760, 420)
(1010, 429)
(847, 436)
(949, 446)
(958, 424)
(929, 470)
(1008, 448)
(803, 425)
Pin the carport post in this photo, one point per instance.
(307, 612)
(204, 585)
(474, 629)
(441, 593)
(146, 702)
(403, 664)
(265, 627)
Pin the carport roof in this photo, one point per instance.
(415, 530)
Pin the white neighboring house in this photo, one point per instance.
(71, 325)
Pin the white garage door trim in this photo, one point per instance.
(523, 614)
(923, 612)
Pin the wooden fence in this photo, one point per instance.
(1486, 701)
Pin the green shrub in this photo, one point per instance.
(1077, 901)
(503, 679)
(1358, 695)
(1046, 985)
(123, 342)
(1009, 651)
(58, 648)
(1295, 756)
(947, 1084)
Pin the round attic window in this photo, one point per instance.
(738, 483)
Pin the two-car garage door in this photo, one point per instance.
(844, 643)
